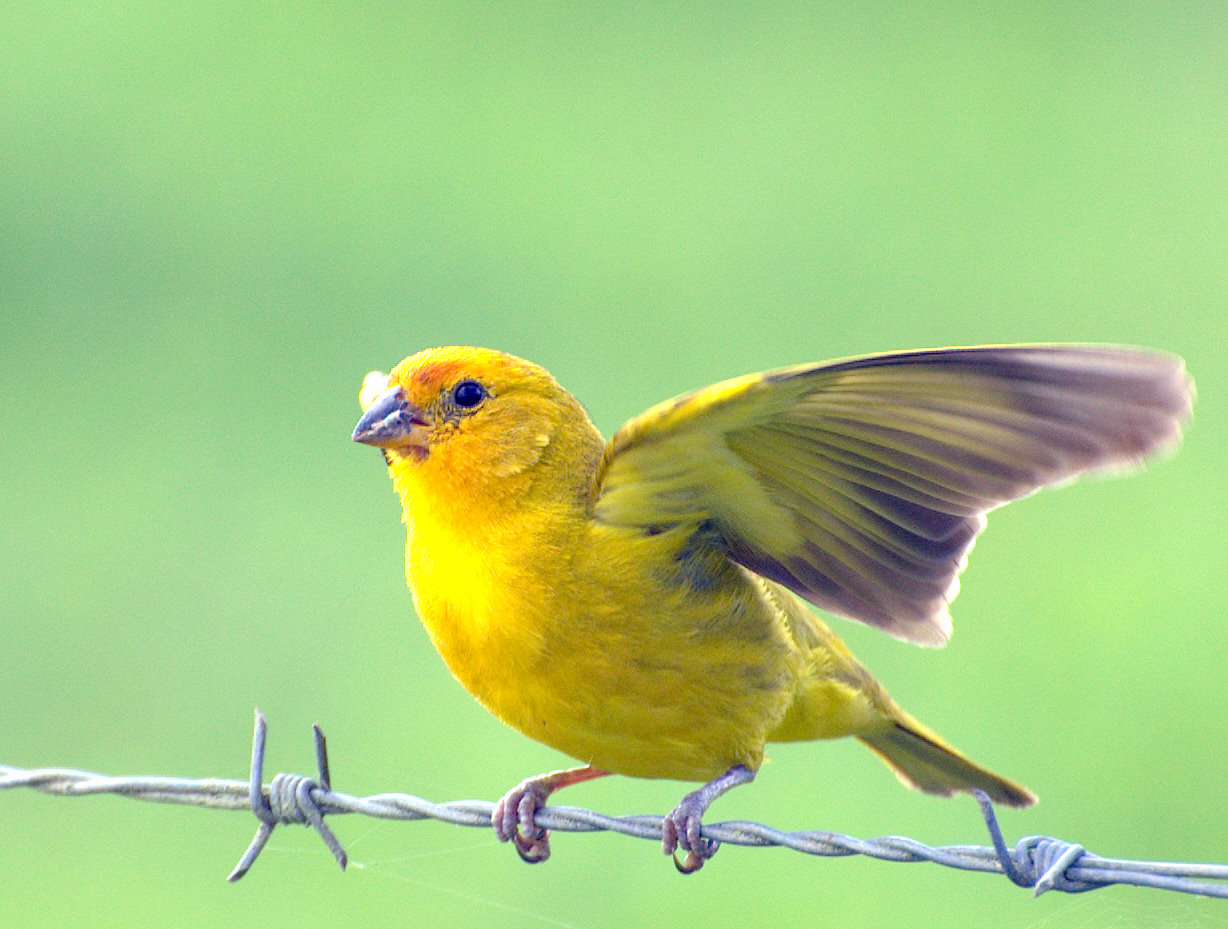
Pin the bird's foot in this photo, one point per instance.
(514, 816)
(681, 829)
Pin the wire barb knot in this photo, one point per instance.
(1043, 863)
(292, 798)
(1038, 861)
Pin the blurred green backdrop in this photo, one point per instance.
(216, 217)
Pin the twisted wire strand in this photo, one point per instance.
(1042, 863)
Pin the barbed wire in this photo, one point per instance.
(1042, 863)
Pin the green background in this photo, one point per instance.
(216, 217)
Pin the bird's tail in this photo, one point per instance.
(922, 760)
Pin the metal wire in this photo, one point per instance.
(1039, 862)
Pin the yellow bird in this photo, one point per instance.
(637, 604)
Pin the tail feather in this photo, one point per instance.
(922, 760)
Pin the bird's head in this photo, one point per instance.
(472, 417)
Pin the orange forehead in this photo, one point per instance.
(429, 376)
(430, 370)
(434, 370)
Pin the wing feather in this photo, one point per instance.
(862, 484)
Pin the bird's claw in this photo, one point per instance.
(514, 820)
(535, 850)
(681, 831)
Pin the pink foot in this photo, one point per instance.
(681, 828)
(514, 819)
(514, 816)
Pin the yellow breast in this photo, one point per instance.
(594, 641)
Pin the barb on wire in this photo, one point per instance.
(1039, 862)
(290, 800)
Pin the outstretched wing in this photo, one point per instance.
(861, 484)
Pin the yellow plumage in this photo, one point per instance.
(636, 604)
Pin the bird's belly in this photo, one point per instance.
(646, 690)
(646, 716)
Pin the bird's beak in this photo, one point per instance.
(391, 421)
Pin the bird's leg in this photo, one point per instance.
(513, 816)
(681, 827)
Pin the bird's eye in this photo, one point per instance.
(468, 394)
